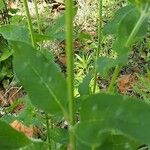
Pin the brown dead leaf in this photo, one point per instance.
(125, 83)
(14, 93)
(57, 7)
(11, 5)
(28, 131)
(62, 58)
(2, 100)
(11, 95)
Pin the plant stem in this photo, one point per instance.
(93, 148)
(48, 131)
(37, 16)
(29, 22)
(7, 15)
(127, 44)
(113, 80)
(99, 43)
(70, 69)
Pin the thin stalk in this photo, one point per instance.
(99, 43)
(70, 69)
(113, 80)
(127, 44)
(29, 22)
(136, 29)
(48, 131)
(7, 15)
(37, 16)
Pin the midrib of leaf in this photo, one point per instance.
(137, 26)
(49, 90)
(110, 128)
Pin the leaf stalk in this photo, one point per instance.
(29, 22)
(99, 42)
(70, 69)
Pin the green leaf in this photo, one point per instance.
(129, 25)
(104, 64)
(2, 6)
(103, 113)
(84, 36)
(39, 37)
(118, 142)
(36, 146)
(133, 27)
(41, 78)
(15, 33)
(112, 26)
(11, 138)
(56, 30)
(5, 55)
(59, 135)
(140, 3)
(111, 142)
(84, 87)
(82, 146)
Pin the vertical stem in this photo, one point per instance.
(6, 15)
(70, 69)
(99, 42)
(29, 22)
(48, 132)
(93, 148)
(127, 44)
(37, 16)
(113, 80)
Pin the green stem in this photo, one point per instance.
(37, 16)
(113, 80)
(29, 22)
(99, 43)
(7, 17)
(136, 29)
(48, 131)
(93, 148)
(127, 44)
(70, 69)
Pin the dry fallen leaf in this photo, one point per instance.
(62, 58)
(125, 83)
(2, 100)
(28, 131)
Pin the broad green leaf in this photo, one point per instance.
(112, 26)
(59, 135)
(40, 37)
(56, 30)
(15, 33)
(104, 64)
(129, 25)
(5, 55)
(118, 142)
(132, 27)
(36, 146)
(41, 78)
(82, 146)
(84, 36)
(111, 142)
(103, 113)
(140, 3)
(122, 51)
(11, 138)
(2, 6)
(84, 87)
